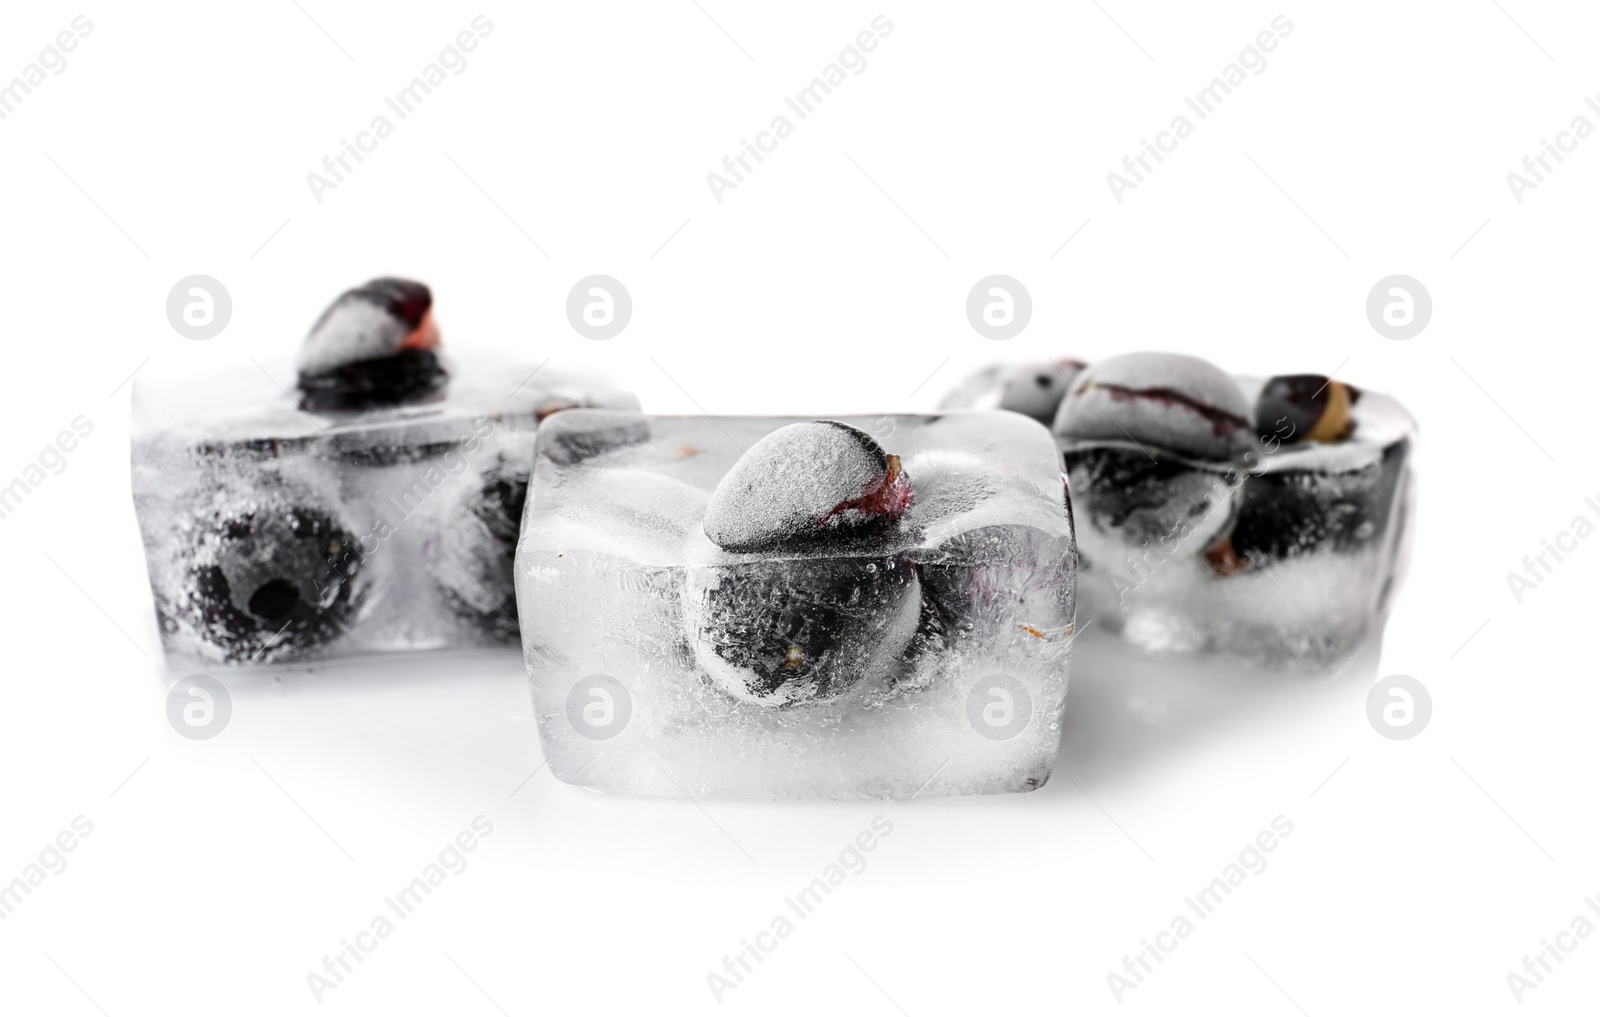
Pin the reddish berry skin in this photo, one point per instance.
(804, 625)
(374, 346)
(1159, 402)
(808, 483)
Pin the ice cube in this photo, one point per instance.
(747, 606)
(371, 505)
(1265, 520)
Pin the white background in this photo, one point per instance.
(220, 873)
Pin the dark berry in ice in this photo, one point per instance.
(377, 345)
(1161, 402)
(500, 505)
(1295, 511)
(786, 632)
(1305, 407)
(1036, 390)
(831, 609)
(1127, 503)
(273, 583)
(477, 566)
(804, 484)
(991, 575)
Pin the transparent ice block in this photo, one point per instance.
(1285, 554)
(947, 638)
(275, 533)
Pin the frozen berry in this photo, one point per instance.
(787, 632)
(992, 575)
(374, 346)
(806, 483)
(271, 584)
(1036, 390)
(1289, 512)
(1130, 507)
(479, 545)
(1033, 390)
(834, 610)
(1306, 407)
(1158, 401)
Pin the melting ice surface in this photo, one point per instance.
(637, 627)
